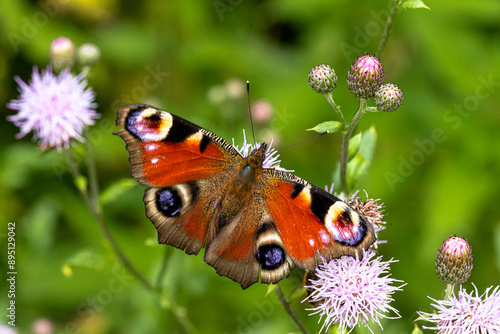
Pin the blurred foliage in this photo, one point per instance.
(436, 164)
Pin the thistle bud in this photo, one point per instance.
(62, 53)
(322, 79)
(365, 76)
(454, 261)
(88, 54)
(388, 97)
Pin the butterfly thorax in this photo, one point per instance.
(247, 172)
(242, 186)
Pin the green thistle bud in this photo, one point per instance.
(88, 54)
(365, 76)
(62, 53)
(322, 79)
(454, 261)
(388, 97)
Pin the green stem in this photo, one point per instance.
(449, 291)
(75, 171)
(92, 201)
(387, 28)
(346, 136)
(163, 269)
(329, 98)
(288, 308)
(95, 207)
(93, 181)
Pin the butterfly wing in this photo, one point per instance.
(313, 224)
(249, 245)
(182, 165)
(166, 149)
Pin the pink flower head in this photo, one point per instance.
(352, 291)
(467, 313)
(55, 107)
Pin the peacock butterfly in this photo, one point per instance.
(253, 221)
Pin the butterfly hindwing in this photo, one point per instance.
(314, 225)
(249, 244)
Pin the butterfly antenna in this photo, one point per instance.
(250, 110)
(304, 141)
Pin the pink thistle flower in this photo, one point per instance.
(55, 107)
(370, 209)
(352, 291)
(468, 313)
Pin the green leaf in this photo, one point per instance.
(329, 126)
(116, 189)
(413, 4)
(359, 164)
(298, 294)
(21, 161)
(354, 144)
(368, 141)
(355, 169)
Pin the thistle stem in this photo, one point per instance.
(449, 291)
(346, 136)
(387, 28)
(163, 269)
(288, 308)
(92, 201)
(329, 98)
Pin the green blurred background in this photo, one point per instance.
(443, 59)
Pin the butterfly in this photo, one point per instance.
(254, 222)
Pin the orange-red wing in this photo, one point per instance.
(300, 210)
(166, 149)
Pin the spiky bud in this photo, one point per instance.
(62, 53)
(454, 261)
(365, 76)
(322, 79)
(88, 54)
(388, 97)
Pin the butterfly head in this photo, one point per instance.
(258, 156)
(261, 150)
